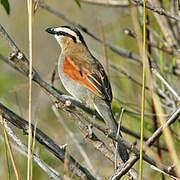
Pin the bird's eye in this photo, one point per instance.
(62, 33)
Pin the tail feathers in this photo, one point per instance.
(104, 109)
(122, 152)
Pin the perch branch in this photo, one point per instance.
(109, 3)
(123, 170)
(22, 148)
(160, 11)
(47, 142)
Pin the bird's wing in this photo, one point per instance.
(91, 74)
(99, 79)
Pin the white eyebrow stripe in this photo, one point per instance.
(69, 31)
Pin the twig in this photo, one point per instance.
(120, 140)
(158, 75)
(23, 149)
(167, 32)
(128, 75)
(5, 59)
(74, 139)
(9, 146)
(146, 114)
(174, 24)
(160, 11)
(132, 173)
(109, 3)
(48, 143)
(163, 173)
(90, 136)
(167, 135)
(164, 47)
(155, 122)
(159, 131)
(123, 170)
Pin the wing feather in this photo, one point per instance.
(99, 80)
(91, 74)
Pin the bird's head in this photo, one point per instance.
(67, 36)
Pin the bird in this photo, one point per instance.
(84, 77)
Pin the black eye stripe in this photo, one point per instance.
(66, 34)
(76, 32)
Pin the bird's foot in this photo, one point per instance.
(108, 132)
(90, 132)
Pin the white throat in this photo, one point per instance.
(58, 39)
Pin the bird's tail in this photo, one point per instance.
(104, 109)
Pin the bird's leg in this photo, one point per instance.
(94, 117)
(90, 132)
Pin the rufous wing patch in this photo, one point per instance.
(77, 74)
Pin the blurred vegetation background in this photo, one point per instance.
(127, 94)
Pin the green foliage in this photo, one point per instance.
(5, 4)
(6, 82)
(78, 3)
(135, 117)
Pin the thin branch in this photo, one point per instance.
(123, 170)
(159, 131)
(155, 122)
(76, 142)
(90, 136)
(5, 59)
(164, 47)
(99, 145)
(165, 27)
(163, 173)
(9, 146)
(167, 136)
(126, 144)
(109, 3)
(23, 149)
(158, 75)
(160, 11)
(47, 142)
(128, 75)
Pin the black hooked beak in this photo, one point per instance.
(51, 30)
